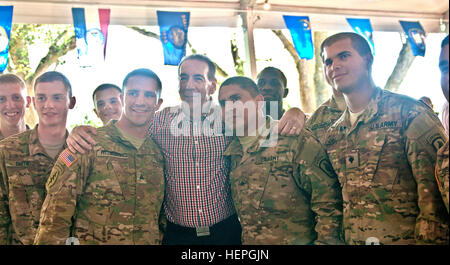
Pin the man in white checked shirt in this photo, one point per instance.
(198, 207)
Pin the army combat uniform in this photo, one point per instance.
(25, 167)
(3, 137)
(442, 172)
(385, 164)
(287, 193)
(325, 116)
(111, 195)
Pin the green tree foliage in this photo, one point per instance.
(55, 40)
(89, 121)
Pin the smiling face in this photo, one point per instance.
(271, 85)
(13, 101)
(108, 105)
(239, 108)
(194, 81)
(52, 103)
(140, 101)
(345, 69)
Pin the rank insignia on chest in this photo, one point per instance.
(342, 129)
(352, 159)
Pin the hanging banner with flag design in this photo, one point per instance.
(363, 27)
(6, 13)
(300, 28)
(174, 30)
(416, 36)
(91, 31)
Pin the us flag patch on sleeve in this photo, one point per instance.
(67, 157)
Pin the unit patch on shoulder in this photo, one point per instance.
(67, 157)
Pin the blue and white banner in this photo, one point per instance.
(174, 30)
(300, 28)
(6, 14)
(416, 36)
(363, 27)
(79, 23)
(91, 29)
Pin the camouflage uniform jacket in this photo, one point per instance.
(3, 137)
(323, 118)
(385, 164)
(287, 193)
(25, 167)
(442, 172)
(111, 195)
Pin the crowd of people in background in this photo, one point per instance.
(369, 166)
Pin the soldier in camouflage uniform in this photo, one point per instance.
(325, 115)
(113, 193)
(13, 102)
(383, 149)
(26, 160)
(442, 163)
(107, 104)
(442, 172)
(285, 191)
(272, 83)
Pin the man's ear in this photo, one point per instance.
(213, 86)
(96, 113)
(259, 98)
(286, 91)
(28, 102)
(369, 61)
(158, 105)
(72, 102)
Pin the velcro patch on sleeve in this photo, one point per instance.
(67, 157)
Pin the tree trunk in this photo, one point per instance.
(307, 89)
(322, 88)
(307, 98)
(404, 61)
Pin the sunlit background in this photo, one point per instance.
(128, 50)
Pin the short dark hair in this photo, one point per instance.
(202, 58)
(52, 76)
(244, 82)
(104, 87)
(276, 70)
(425, 98)
(145, 73)
(444, 41)
(359, 43)
(11, 79)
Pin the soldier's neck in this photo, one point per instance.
(252, 129)
(358, 99)
(8, 130)
(129, 128)
(52, 134)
